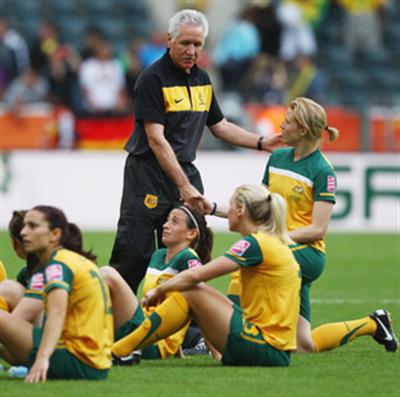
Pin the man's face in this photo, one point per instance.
(185, 49)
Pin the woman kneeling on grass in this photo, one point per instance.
(264, 331)
(75, 342)
(188, 243)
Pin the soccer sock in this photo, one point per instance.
(167, 318)
(330, 336)
(4, 304)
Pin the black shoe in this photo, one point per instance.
(200, 348)
(130, 359)
(384, 334)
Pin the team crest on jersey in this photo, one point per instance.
(331, 184)
(298, 189)
(37, 282)
(240, 247)
(193, 263)
(54, 272)
(151, 201)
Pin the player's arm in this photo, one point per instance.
(170, 165)
(238, 136)
(214, 208)
(321, 216)
(57, 302)
(191, 277)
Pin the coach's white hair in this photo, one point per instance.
(187, 17)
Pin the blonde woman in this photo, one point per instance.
(263, 332)
(306, 179)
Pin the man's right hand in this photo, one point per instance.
(192, 198)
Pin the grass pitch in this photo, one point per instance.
(362, 274)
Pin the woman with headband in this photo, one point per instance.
(263, 331)
(188, 243)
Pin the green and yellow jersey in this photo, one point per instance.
(301, 183)
(270, 287)
(23, 277)
(88, 331)
(159, 271)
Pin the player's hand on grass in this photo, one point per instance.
(38, 372)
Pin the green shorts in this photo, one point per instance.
(244, 348)
(234, 298)
(63, 364)
(312, 263)
(150, 352)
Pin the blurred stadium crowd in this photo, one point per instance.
(83, 57)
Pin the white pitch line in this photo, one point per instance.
(340, 301)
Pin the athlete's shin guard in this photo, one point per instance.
(330, 336)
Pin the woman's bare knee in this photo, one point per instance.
(12, 292)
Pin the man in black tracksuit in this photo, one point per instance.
(173, 102)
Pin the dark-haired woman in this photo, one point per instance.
(75, 341)
(264, 332)
(188, 243)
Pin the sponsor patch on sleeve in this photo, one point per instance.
(37, 282)
(193, 263)
(331, 184)
(239, 248)
(54, 272)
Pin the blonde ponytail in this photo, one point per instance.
(333, 133)
(312, 116)
(279, 216)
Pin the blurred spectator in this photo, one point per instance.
(131, 64)
(14, 55)
(267, 81)
(7, 67)
(26, 89)
(153, 50)
(102, 82)
(14, 41)
(314, 11)
(307, 81)
(362, 24)
(268, 26)
(297, 34)
(56, 61)
(92, 36)
(236, 49)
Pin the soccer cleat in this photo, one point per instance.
(130, 359)
(384, 334)
(200, 348)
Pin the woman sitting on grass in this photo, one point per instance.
(184, 232)
(24, 297)
(75, 342)
(264, 332)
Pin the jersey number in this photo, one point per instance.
(107, 306)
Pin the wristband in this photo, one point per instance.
(214, 208)
(259, 143)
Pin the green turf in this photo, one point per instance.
(362, 274)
